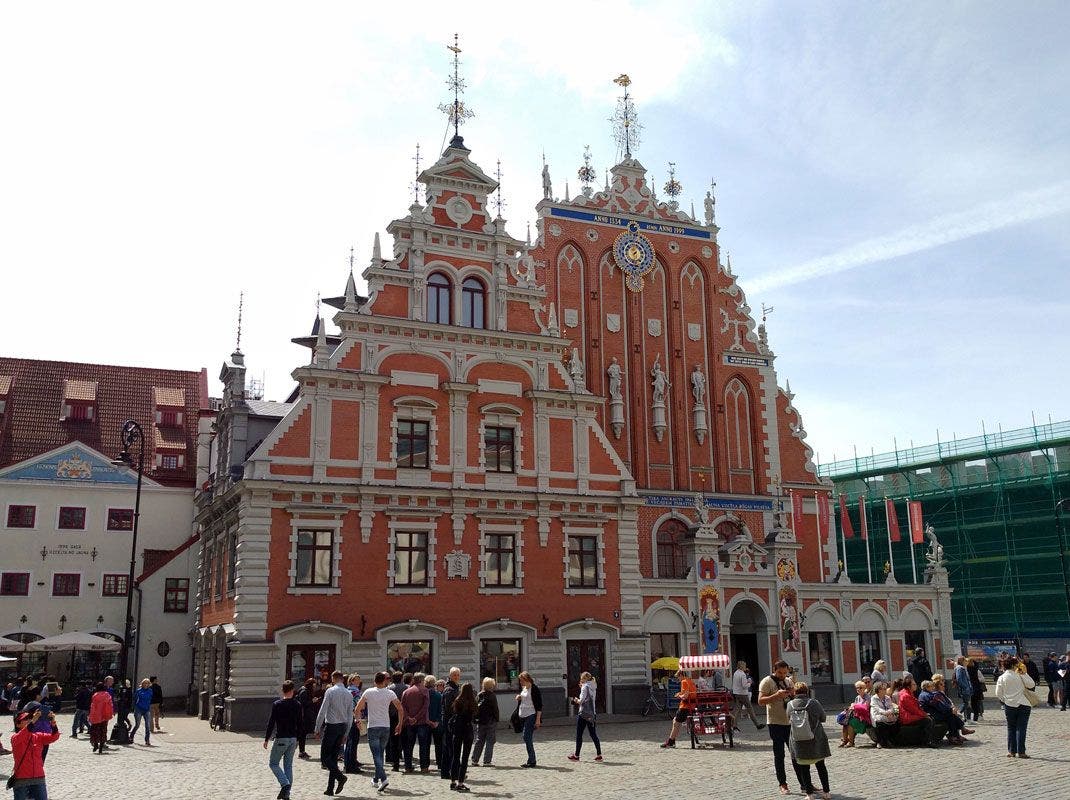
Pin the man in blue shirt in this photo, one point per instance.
(333, 721)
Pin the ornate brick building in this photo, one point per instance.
(572, 456)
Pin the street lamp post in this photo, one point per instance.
(131, 433)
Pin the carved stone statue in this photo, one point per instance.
(547, 189)
(575, 368)
(614, 379)
(698, 384)
(709, 201)
(701, 510)
(659, 380)
(935, 554)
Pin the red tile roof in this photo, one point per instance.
(80, 390)
(31, 424)
(5, 384)
(161, 561)
(169, 397)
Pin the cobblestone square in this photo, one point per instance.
(190, 762)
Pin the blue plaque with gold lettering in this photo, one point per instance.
(634, 254)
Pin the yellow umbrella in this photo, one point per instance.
(666, 662)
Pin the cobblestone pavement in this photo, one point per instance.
(192, 761)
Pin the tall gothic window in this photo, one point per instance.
(672, 550)
(738, 435)
(473, 303)
(439, 299)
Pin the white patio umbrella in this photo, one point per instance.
(75, 640)
(10, 645)
(7, 659)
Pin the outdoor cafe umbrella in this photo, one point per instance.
(7, 659)
(666, 662)
(74, 640)
(11, 645)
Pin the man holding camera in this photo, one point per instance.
(774, 692)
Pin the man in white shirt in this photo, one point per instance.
(333, 721)
(741, 684)
(378, 701)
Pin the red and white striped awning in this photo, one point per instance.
(708, 661)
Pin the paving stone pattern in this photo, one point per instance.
(191, 761)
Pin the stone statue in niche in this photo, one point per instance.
(575, 368)
(698, 385)
(614, 379)
(659, 380)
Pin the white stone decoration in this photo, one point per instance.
(592, 234)
(674, 247)
(707, 251)
(698, 411)
(613, 323)
(458, 210)
(616, 399)
(694, 331)
(575, 370)
(660, 383)
(555, 229)
(572, 317)
(458, 565)
(653, 327)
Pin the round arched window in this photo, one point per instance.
(439, 291)
(672, 550)
(473, 303)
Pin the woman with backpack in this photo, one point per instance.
(808, 743)
(585, 716)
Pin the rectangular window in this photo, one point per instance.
(315, 558)
(664, 645)
(583, 562)
(21, 516)
(232, 561)
(821, 657)
(414, 440)
(500, 659)
(79, 412)
(176, 595)
(218, 575)
(869, 649)
(115, 585)
(15, 584)
(410, 559)
(120, 519)
(501, 560)
(914, 641)
(71, 518)
(498, 446)
(66, 584)
(168, 462)
(409, 656)
(168, 419)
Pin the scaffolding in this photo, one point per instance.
(994, 502)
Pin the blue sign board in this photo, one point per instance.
(726, 502)
(73, 464)
(622, 222)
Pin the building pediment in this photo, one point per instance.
(72, 463)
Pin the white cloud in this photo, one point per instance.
(1019, 208)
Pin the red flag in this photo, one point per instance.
(822, 514)
(893, 521)
(796, 508)
(917, 529)
(864, 524)
(845, 519)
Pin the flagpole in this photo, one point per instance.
(888, 525)
(910, 527)
(864, 511)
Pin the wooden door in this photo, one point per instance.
(309, 661)
(587, 655)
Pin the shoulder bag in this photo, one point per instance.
(11, 780)
(515, 720)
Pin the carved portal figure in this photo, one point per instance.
(547, 189)
(659, 381)
(698, 384)
(709, 201)
(614, 379)
(575, 368)
(701, 510)
(789, 620)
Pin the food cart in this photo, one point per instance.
(710, 716)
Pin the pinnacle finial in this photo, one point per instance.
(416, 178)
(498, 202)
(241, 303)
(457, 111)
(626, 127)
(377, 250)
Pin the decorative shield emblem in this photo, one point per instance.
(634, 254)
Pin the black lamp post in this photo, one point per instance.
(131, 433)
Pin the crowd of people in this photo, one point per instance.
(407, 717)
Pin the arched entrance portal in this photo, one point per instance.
(749, 640)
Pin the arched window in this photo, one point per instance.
(439, 299)
(473, 303)
(738, 436)
(672, 550)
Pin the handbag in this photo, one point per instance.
(1031, 696)
(515, 720)
(11, 779)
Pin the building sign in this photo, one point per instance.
(72, 464)
(623, 222)
(67, 550)
(725, 502)
(736, 360)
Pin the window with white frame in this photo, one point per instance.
(71, 518)
(414, 434)
(411, 557)
(21, 516)
(498, 448)
(315, 556)
(14, 584)
(66, 584)
(584, 559)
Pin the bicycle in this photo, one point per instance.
(652, 701)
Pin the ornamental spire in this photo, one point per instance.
(626, 127)
(457, 111)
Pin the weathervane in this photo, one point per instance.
(416, 179)
(586, 173)
(626, 127)
(672, 186)
(241, 302)
(498, 202)
(457, 111)
(351, 258)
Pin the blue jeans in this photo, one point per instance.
(140, 715)
(1017, 722)
(377, 739)
(81, 721)
(529, 737)
(35, 792)
(283, 750)
(418, 734)
(349, 761)
(586, 725)
(964, 709)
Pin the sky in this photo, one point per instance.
(892, 178)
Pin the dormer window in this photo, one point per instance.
(79, 401)
(439, 299)
(169, 404)
(5, 390)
